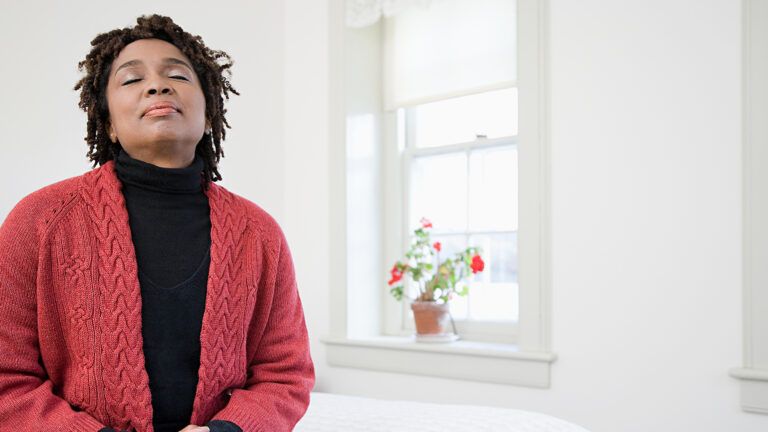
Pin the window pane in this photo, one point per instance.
(494, 291)
(450, 245)
(494, 302)
(439, 192)
(456, 120)
(493, 189)
(502, 257)
(459, 307)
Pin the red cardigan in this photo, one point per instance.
(71, 356)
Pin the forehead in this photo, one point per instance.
(148, 50)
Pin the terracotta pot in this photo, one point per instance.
(431, 318)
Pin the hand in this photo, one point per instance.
(196, 428)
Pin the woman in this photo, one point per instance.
(140, 295)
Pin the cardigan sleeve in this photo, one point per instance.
(26, 393)
(281, 374)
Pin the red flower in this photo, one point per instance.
(397, 274)
(477, 264)
(425, 223)
(437, 246)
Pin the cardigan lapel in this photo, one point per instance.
(222, 336)
(127, 392)
(126, 383)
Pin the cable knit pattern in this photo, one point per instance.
(227, 337)
(70, 316)
(128, 397)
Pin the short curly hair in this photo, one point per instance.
(206, 62)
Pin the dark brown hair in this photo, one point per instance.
(205, 61)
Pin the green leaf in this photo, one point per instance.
(397, 292)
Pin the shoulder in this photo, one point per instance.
(264, 231)
(261, 222)
(41, 207)
(30, 218)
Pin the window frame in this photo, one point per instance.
(753, 373)
(501, 332)
(526, 362)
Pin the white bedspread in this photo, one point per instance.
(332, 412)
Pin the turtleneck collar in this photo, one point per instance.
(152, 177)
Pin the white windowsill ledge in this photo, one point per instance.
(467, 360)
(754, 389)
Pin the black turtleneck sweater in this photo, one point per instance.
(170, 226)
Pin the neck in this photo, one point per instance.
(163, 159)
(145, 175)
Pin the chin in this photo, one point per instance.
(169, 136)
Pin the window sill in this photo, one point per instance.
(466, 360)
(754, 389)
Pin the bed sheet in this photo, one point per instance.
(332, 412)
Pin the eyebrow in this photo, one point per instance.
(167, 60)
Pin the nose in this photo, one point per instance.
(163, 89)
(158, 84)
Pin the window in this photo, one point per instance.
(460, 159)
(397, 88)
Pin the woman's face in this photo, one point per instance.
(149, 72)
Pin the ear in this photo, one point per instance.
(111, 132)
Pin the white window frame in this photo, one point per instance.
(753, 374)
(526, 362)
(401, 323)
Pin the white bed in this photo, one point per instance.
(333, 412)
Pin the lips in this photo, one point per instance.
(160, 109)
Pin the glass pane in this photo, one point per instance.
(439, 192)
(494, 302)
(450, 245)
(499, 253)
(493, 189)
(494, 291)
(461, 119)
(459, 307)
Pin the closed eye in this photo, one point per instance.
(139, 79)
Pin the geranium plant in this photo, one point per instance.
(421, 259)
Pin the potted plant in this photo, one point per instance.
(438, 282)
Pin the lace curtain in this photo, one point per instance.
(362, 13)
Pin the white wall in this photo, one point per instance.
(43, 129)
(645, 130)
(646, 188)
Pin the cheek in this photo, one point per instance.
(199, 107)
(112, 114)
(119, 111)
(201, 103)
